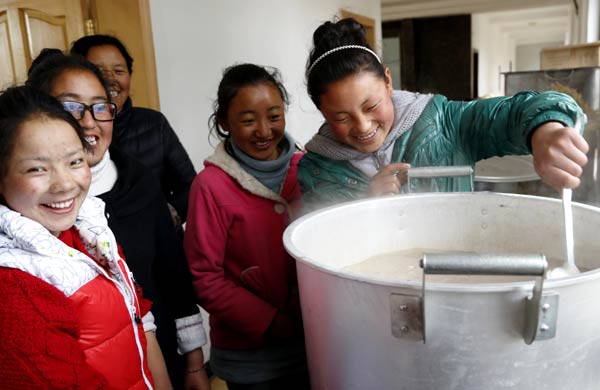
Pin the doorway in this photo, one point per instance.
(435, 54)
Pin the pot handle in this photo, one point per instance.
(541, 308)
(441, 171)
(483, 264)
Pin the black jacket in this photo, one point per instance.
(138, 215)
(147, 136)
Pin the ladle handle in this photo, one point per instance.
(567, 193)
(484, 264)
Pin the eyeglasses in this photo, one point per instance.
(102, 112)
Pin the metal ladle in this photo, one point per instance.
(568, 268)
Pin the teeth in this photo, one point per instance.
(91, 140)
(61, 205)
(262, 143)
(364, 137)
(113, 93)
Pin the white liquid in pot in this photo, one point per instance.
(404, 265)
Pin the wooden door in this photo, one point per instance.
(129, 21)
(28, 26)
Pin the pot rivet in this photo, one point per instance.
(544, 327)
(403, 307)
(404, 329)
(546, 306)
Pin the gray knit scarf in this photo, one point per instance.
(270, 173)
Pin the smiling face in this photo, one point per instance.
(84, 87)
(114, 68)
(256, 121)
(359, 110)
(47, 177)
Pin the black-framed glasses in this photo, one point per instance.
(102, 112)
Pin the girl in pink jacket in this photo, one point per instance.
(239, 206)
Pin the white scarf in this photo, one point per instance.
(104, 176)
(27, 245)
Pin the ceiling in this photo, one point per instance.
(524, 21)
(530, 26)
(402, 9)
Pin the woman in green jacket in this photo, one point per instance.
(373, 134)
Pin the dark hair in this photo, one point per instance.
(342, 63)
(44, 72)
(19, 105)
(43, 56)
(234, 78)
(84, 44)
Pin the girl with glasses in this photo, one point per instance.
(101, 112)
(138, 215)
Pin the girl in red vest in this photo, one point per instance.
(71, 317)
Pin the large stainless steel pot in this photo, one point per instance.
(474, 332)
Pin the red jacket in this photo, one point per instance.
(111, 343)
(66, 321)
(39, 334)
(233, 241)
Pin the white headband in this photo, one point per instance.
(338, 49)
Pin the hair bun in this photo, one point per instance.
(43, 56)
(343, 32)
(352, 28)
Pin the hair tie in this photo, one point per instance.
(338, 49)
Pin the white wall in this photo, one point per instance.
(391, 59)
(528, 56)
(496, 55)
(593, 21)
(586, 24)
(195, 40)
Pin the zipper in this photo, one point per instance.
(129, 296)
(379, 158)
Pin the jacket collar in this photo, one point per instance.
(27, 245)
(223, 160)
(134, 188)
(122, 120)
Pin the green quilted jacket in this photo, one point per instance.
(446, 133)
